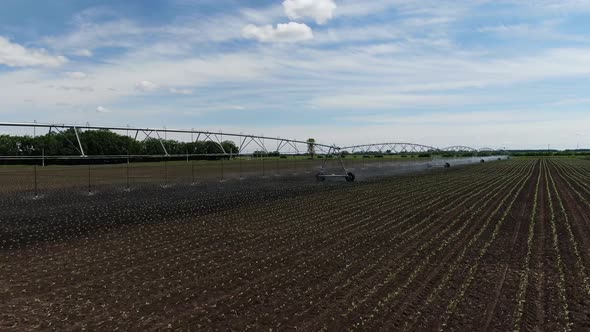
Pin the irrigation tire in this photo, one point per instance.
(350, 177)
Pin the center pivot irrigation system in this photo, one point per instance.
(246, 144)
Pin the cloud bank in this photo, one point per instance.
(319, 10)
(146, 86)
(76, 75)
(15, 55)
(284, 33)
(101, 109)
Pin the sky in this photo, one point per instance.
(509, 74)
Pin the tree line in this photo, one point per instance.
(104, 142)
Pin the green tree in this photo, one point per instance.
(104, 142)
(230, 147)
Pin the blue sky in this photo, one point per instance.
(481, 73)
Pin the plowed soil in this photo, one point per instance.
(495, 246)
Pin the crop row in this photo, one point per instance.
(525, 272)
(318, 254)
(221, 239)
(443, 238)
(466, 248)
(470, 273)
(580, 266)
(407, 253)
(131, 245)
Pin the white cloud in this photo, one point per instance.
(284, 33)
(181, 91)
(262, 15)
(513, 129)
(380, 49)
(546, 30)
(361, 8)
(76, 75)
(120, 33)
(503, 28)
(113, 81)
(15, 55)
(372, 66)
(101, 109)
(479, 118)
(179, 37)
(571, 102)
(394, 101)
(75, 88)
(372, 33)
(84, 52)
(320, 10)
(405, 8)
(146, 86)
(563, 6)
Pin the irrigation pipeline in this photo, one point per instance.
(148, 129)
(127, 156)
(283, 145)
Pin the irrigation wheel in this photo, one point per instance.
(350, 177)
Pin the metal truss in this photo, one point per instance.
(392, 147)
(489, 150)
(496, 151)
(243, 142)
(459, 148)
(410, 148)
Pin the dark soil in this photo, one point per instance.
(443, 249)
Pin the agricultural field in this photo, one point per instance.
(99, 177)
(495, 246)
